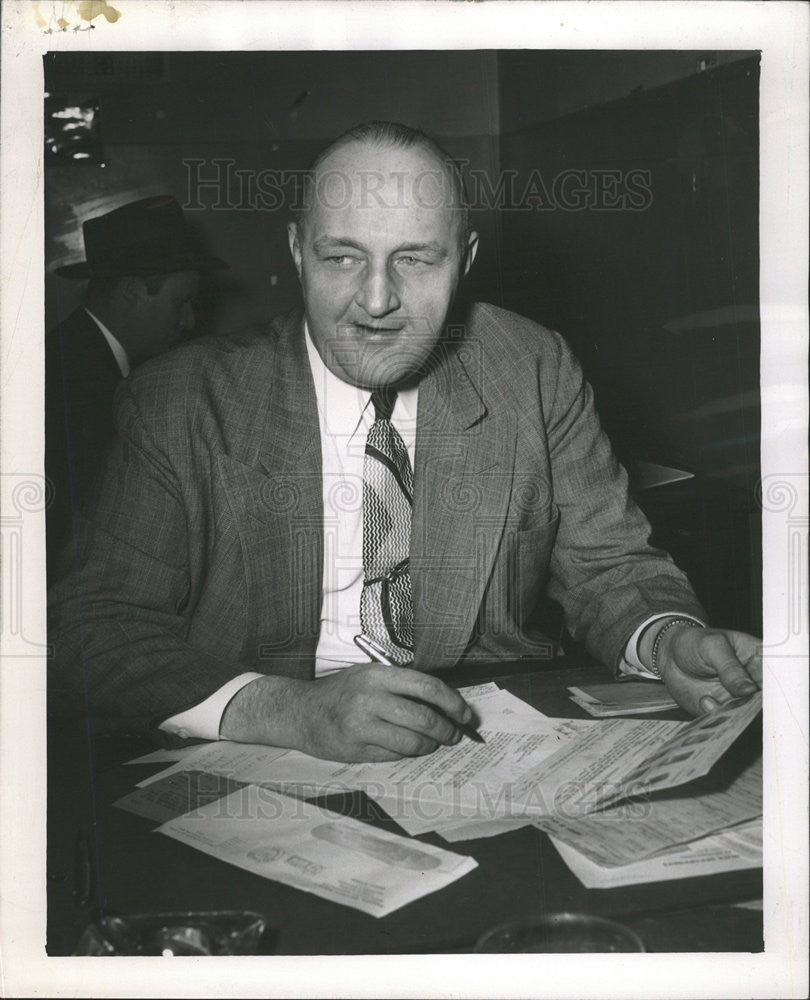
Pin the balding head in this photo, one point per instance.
(326, 180)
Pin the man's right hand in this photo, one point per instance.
(367, 712)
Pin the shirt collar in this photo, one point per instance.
(119, 353)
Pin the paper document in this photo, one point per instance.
(736, 849)
(626, 757)
(466, 779)
(623, 698)
(475, 829)
(692, 751)
(502, 711)
(165, 756)
(176, 794)
(311, 848)
(646, 826)
(540, 768)
(594, 764)
(244, 762)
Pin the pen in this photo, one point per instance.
(370, 648)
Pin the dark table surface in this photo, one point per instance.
(136, 870)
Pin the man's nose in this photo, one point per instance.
(378, 293)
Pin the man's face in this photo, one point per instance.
(166, 316)
(379, 260)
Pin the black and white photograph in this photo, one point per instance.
(405, 498)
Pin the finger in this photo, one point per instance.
(424, 687)
(420, 717)
(749, 653)
(689, 691)
(718, 654)
(400, 741)
(707, 705)
(379, 755)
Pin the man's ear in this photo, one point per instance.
(295, 245)
(470, 252)
(131, 289)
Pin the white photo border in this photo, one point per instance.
(780, 31)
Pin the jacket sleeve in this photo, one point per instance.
(118, 618)
(603, 572)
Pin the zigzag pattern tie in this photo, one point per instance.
(386, 604)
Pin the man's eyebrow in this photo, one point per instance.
(431, 247)
(325, 243)
(331, 242)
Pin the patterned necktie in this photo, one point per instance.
(386, 604)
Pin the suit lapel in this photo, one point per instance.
(276, 481)
(463, 480)
(290, 442)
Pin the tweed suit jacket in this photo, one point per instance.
(81, 376)
(201, 552)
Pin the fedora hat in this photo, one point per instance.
(150, 236)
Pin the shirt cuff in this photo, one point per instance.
(202, 721)
(630, 665)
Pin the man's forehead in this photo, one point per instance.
(359, 155)
(364, 175)
(391, 195)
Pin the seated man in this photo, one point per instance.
(143, 271)
(378, 479)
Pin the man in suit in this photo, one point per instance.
(382, 479)
(143, 268)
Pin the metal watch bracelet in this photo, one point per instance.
(657, 642)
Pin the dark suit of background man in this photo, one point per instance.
(143, 271)
(224, 570)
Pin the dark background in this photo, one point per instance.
(660, 302)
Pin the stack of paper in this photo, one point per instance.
(623, 698)
(588, 784)
(729, 850)
(643, 827)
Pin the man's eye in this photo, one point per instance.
(410, 261)
(341, 260)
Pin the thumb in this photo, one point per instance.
(719, 656)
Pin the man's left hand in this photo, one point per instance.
(704, 667)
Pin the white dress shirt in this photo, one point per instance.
(345, 415)
(119, 353)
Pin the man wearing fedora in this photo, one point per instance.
(143, 265)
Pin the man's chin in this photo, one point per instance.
(388, 376)
(394, 380)
(374, 367)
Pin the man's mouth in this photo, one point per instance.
(380, 330)
(383, 326)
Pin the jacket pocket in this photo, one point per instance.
(533, 554)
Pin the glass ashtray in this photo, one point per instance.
(217, 932)
(557, 933)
